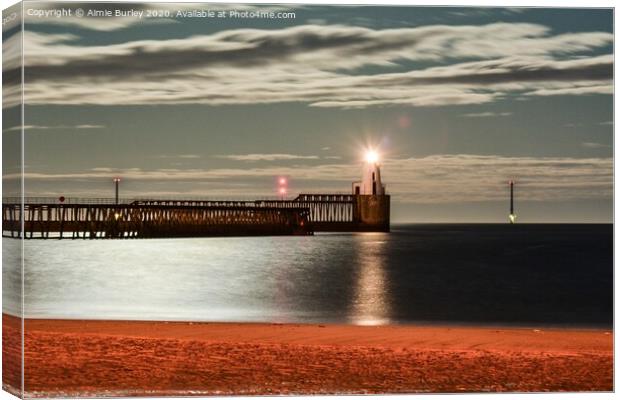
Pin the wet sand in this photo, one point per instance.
(125, 358)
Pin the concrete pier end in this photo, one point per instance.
(373, 212)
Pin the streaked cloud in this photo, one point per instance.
(266, 157)
(432, 179)
(314, 64)
(179, 156)
(486, 114)
(583, 90)
(53, 127)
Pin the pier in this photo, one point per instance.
(48, 218)
(83, 219)
(366, 209)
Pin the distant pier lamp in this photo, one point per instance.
(512, 217)
(282, 187)
(116, 183)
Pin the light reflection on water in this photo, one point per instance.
(555, 274)
(11, 276)
(371, 305)
(325, 278)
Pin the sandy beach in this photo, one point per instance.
(78, 357)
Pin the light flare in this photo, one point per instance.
(372, 157)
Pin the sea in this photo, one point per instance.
(558, 275)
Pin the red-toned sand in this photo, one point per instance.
(64, 357)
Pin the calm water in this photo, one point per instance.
(483, 274)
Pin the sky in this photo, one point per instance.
(458, 101)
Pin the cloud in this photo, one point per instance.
(180, 156)
(463, 177)
(53, 127)
(486, 114)
(266, 157)
(593, 89)
(433, 179)
(319, 65)
(593, 145)
(299, 45)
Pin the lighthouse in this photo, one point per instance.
(372, 204)
(371, 176)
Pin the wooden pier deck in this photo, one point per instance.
(47, 218)
(97, 221)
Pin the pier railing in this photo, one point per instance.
(143, 217)
(323, 208)
(92, 221)
(68, 200)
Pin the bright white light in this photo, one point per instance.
(282, 181)
(372, 157)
